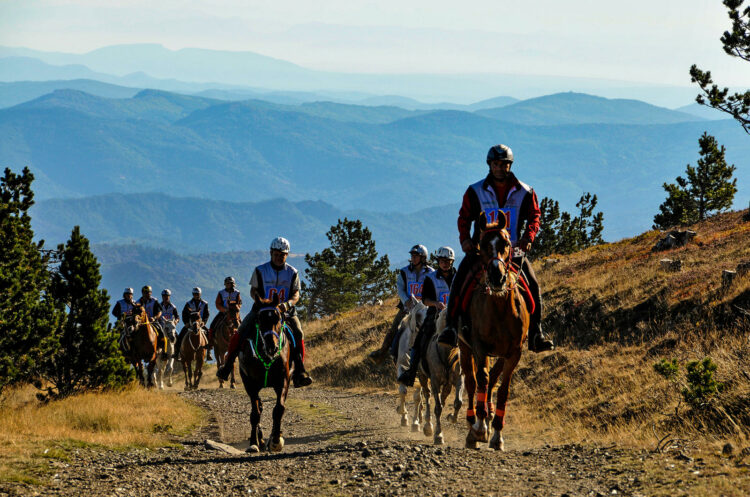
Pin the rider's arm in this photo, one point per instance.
(466, 216)
(205, 313)
(239, 300)
(401, 287)
(429, 296)
(157, 310)
(532, 214)
(116, 312)
(185, 313)
(294, 294)
(256, 286)
(220, 303)
(175, 316)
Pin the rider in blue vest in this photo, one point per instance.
(153, 310)
(125, 305)
(498, 194)
(169, 310)
(275, 277)
(223, 298)
(194, 305)
(435, 293)
(409, 282)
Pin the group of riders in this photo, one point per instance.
(499, 195)
(275, 277)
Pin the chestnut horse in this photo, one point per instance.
(193, 348)
(264, 362)
(499, 322)
(139, 344)
(223, 334)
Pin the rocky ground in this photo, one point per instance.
(342, 443)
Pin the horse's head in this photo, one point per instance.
(417, 313)
(495, 250)
(269, 323)
(140, 315)
(233, 314)
(194, 322)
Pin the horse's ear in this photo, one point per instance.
(482, 221)
(275, 299)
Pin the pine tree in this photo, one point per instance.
(346, 274)
(736, 43)
(708, 189)
(27, 316)
(548, 238)
(88, 356)
(561, 233)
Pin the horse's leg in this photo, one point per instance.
(427, 427)
(256, 441)
(151, 373)
(186, 370)
(480, 428)
(497, 368)
(199, 368)
(467, 366)
(417, 420)
(219, 364)
(458, 383)
(139, 371)
(502, 399)
(276, 441)
(436, 387)
(170, 370)
(232, 382)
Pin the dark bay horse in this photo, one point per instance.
(499, 322)
(141, 346)
(193, 349)
(223, 334)
(264, 362)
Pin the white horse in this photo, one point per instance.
(443, 373)
(407, 330)
(165, 366)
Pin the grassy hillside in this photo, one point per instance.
(614, 314)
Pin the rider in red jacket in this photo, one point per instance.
(498, 194)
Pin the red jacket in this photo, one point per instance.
(470, 210)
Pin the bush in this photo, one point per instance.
(701, 384)
(667, 369)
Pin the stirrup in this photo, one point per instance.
(224, 371)
(540, 343)
(301, 379)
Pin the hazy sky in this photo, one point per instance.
(652, 41)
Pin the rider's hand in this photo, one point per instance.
(283, 307)
(524, 244)
(440, 306)
(468, 246)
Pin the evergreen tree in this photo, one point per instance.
(88, 356)
(561, 233)
(708, 189)
(736, 43)
(346, 274)
(26, 314)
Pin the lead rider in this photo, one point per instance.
(498, 194)
(275, 277)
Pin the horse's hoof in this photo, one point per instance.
(415, 428)
(497, 442)
(471, 441)
(438, 440)
(232, 386)
(427, 430)
(221, 385)
(451, 418)
(404, 421)
(253, 449)
(276, 446)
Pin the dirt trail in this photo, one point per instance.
(341, 443)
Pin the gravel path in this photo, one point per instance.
(342, 443)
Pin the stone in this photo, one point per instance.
(674, 239)
(743, 268)
(728, 449)
(727, 278)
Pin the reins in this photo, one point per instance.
(268, 363)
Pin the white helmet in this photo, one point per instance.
(446, 253)
(280, 244)
(128, 290)
(197, 290)
(166, 291)
(420, 250)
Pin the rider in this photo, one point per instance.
(409, 282)
(275, 277)
(498, 193)
(169, 311)
(228, 294)
(153, 310)
(196, 304)
(437, 288)
(125, 305)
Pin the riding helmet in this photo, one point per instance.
(446, 253)
(196, 290)
(146, 288)
(419, 250)
(166, 291)
(229, 279)
(128, 290)
(281, 244)
(500, 152)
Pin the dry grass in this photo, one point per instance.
(32, 433)
(616, 313)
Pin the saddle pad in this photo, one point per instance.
(471, 284)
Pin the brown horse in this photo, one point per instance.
(499, 322)
(264, 362)
(225, 329)
(193, 348)
(139, 344)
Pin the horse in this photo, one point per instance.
(406, 335)
(193, 348)
(498, 325)
(165, 361)
(139, 344)
(223, 334)
(441, 374)
(265, 359)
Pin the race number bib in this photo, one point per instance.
(499, 218)
(415, 288)
(443, 297)
(280, 291)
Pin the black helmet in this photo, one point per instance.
(500, 152)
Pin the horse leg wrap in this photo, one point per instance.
(482, 404)
(470, 416)
(499, 421)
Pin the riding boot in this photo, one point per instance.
(210, 344)
(300, 378)
(234, 348)
(538, 341)
(407, 377)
